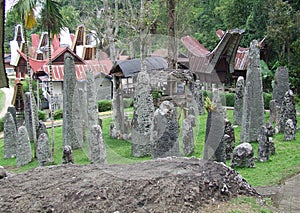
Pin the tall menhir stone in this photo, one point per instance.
(198, 96)
(23, 153)
(164, 132)
(238, 104)
(28, 115)
(214, 147)
(43, 150)
(253, 103)
(97, 151)
(142, 117)
(10, 136)
(69, 133)
(281, 85)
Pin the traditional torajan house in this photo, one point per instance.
(214, 66)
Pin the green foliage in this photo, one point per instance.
(2, 99)
(42, 115)
(267, 76)
(58, 114)
(1, 124)
(230, 99)
(267, 99)
(128, 102)
(104, 105)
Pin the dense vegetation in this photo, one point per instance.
(276, 20)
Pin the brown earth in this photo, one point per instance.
(163, 185)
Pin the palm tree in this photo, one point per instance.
(52, 21)
(25, 9)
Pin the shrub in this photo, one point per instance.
(58, 114)
(128, 102)
(267, 99)
(104, 105)
(42, 115)
(230, 99)
(1, 124)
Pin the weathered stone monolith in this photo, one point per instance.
(253, 103)
(41, 129)
(274, 111)
(229, 138)
(28, 114)
(164, 131)
(10, 136)
(187, 137)
(198, 96)
(238, 103)
(78, 121)
(287, 111)
(92, 106)
(242, 156)
(24, 153)
(215, 126)
(67, 155)
(97, 151)
(289, 131)
(69, 133)
(142, 117)
(263, 146)
(43, 150)
(281, 85)
(12, 111)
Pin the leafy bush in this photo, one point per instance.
(104, 105)
(128, 102)
(1, 124)
(58, 114)
(230, 99)
(42, 115)
(267, 99)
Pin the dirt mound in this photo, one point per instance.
(163, 185)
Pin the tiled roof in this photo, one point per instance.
(36, 65)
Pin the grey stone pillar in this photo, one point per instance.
(142, 117)
(198, 96)
(242, 156)
(253, 103)
(229, 138)
(281, 84)
(24, 153)
(12, 111)
(238, 104)
(215, 126)
(69, 134)
(187, 137)
(10, 136)
(263, 146)
(43, 150)
(289, 131)
(164, 131)
(28, 115)
(97, 151)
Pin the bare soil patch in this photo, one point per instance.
(162, 185)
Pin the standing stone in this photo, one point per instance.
(41, 129)
(69, 133)
(142, 117)
(10, 136)
(263, 146)
(83, 112)
(91, 100)
(24, 153)
(187, 137)
(67, 155)
(289, 131)
(242, 156)
(229, 138)
(164, 131)
(215, 127)
(97, 151)
(238, 104)
(43, 150)
(287, 111)
(28, 114)
(272, 146)
(198, 96)
(281, 85)
(270, 129)
(78, 121)
(274, 111)
(12, 111)
(253, 103)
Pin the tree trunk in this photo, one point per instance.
(3, 76)
(33, 108)
(172, 34)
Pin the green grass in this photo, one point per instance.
(285, 162)
(2, 99)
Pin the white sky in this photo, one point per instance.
(9, 4)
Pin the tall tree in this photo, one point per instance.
(25, 9)
(52, 21)
(172, 33)
(3, 76)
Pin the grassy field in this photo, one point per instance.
(2, 99)
(285, 162)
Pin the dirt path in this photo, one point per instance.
(9, 92)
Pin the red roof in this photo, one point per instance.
(241, 59)
(194, 47)
(81, 69)
(62, 50)
(35, 64)
(35, 40)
